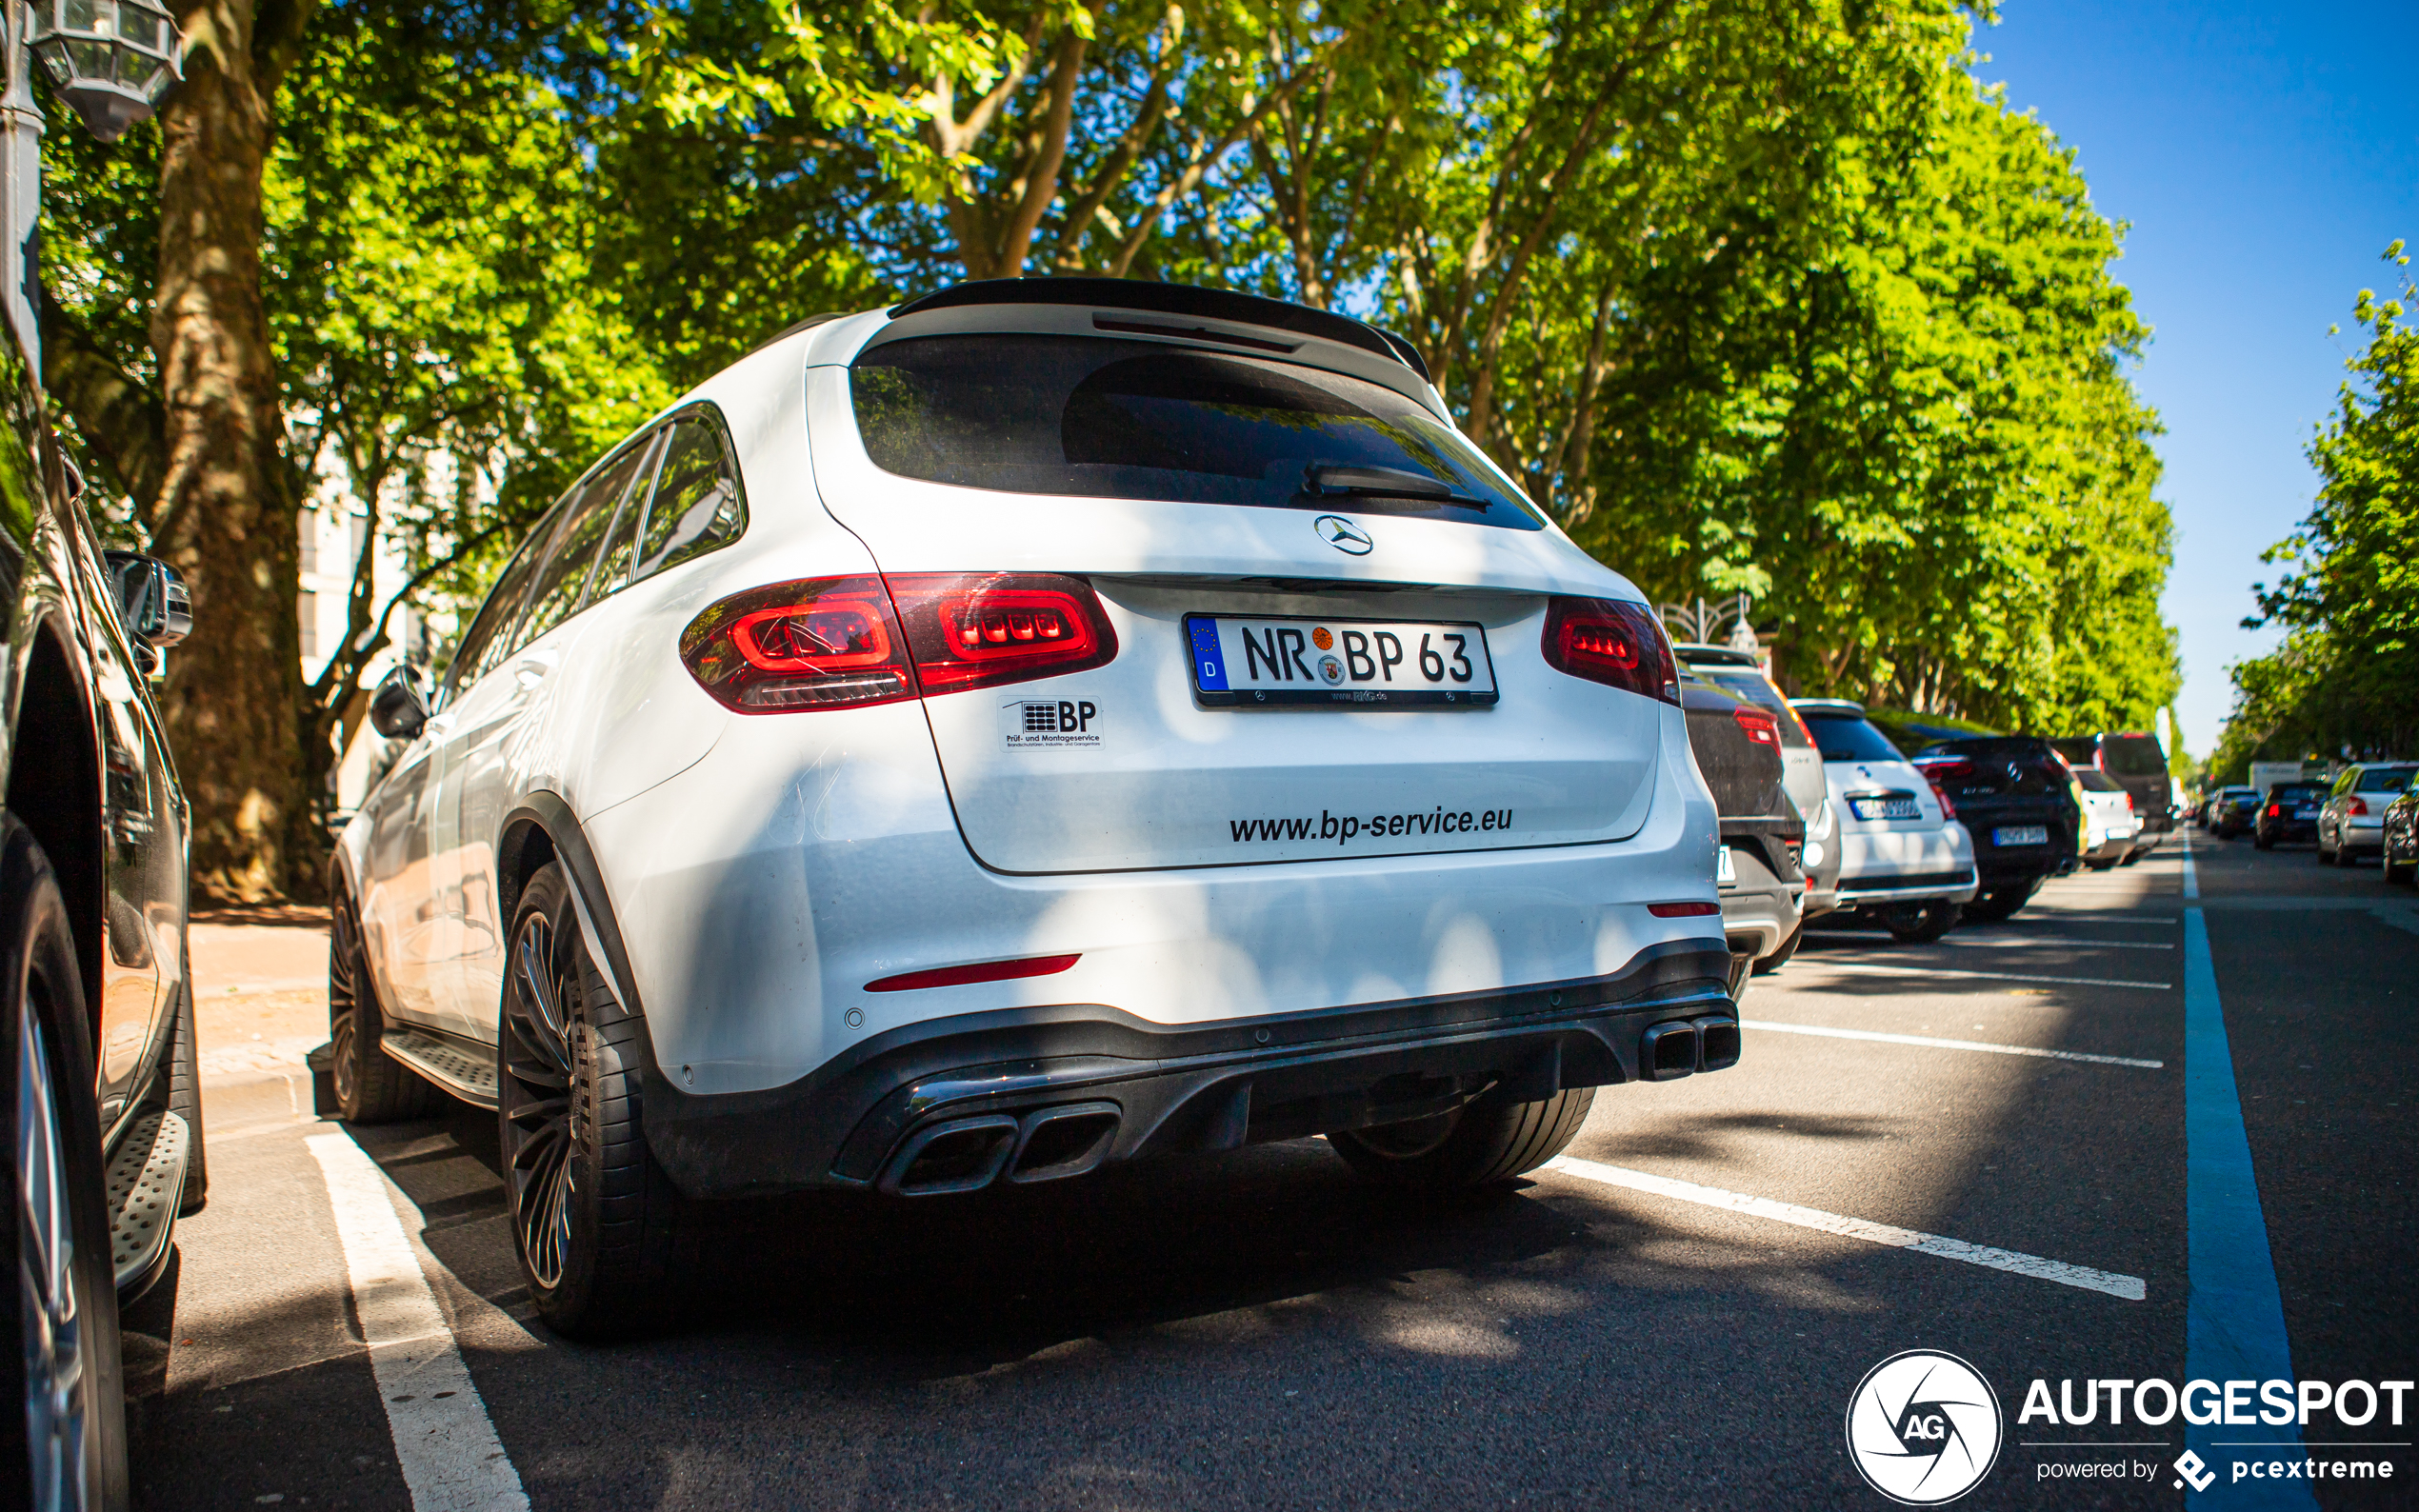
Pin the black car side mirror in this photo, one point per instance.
(396, 709)
(151, 599)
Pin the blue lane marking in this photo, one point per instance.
(2234, 1324)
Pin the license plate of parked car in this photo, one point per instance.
(2020, 835)
(1724, 870)
(1348, 664)
(2305, 813)
(1895, 806)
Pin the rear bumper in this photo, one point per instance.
(1958, 886)
(1131, 1087)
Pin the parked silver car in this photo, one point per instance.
(1904, 857)
(2352, 824)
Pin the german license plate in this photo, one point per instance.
(1895, 806)
(2020, 835)
(1724, 870)
(2305, 813)
(1349, 664)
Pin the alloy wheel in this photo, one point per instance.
(540, 1110)
(58, 1436)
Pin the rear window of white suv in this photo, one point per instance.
(1143, 420)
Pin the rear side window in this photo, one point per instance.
(582, 525)
(1083, 416)
(1849, 738)
(487, 639)
(2297, 793)
(2133, 756)
(1747, 683)
(697, 506)
(2385, 780)
(2097, 781)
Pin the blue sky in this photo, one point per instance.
(2265, 155)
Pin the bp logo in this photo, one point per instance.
(1923, 1427)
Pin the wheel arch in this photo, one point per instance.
(542, 828)
(57, 796)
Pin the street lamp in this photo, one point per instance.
(112, 60)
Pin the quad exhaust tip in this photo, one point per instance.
(1679, 1048)
(968, 1154)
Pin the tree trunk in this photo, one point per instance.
(228, 499)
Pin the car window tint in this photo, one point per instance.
(483, 644)
(613, 563)
(2133, 756)
(2094, 780)
(696, 506)
(2385, 779)
(1086, 415)
(1747, 683)
(581, 526)
(1849, 738)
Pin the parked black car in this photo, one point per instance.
(2137, 762)
(2017, 799)
(2288, 813)
(2237, 811)
(99, 1090)
(2401, 854)
(1737, 746)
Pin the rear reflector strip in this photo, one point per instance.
(985, 971)
(1683, 911)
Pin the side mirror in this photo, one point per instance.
(396, 709)
(151, 599)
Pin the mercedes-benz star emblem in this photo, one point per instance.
(1342, 534)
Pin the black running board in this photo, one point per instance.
(147, 1184)
(463, 1067)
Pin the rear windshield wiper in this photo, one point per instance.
(1322, 478)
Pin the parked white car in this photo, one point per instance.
(1904, 857)
(1042, 724)
(2111, 831)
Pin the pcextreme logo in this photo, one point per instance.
(1923, 1427)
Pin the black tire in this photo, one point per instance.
(1780, 958)
(2132, 856)
(1479, 1145)
(1998, 904)
(63, 1437)
(1920, 923)
(598, 1226)
(185, 1097)
(372, 1086)
(2398, 873)
(2324, 859)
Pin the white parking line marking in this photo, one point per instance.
(1862, 969)
(1948, 1044)
(451, 1460)
(2128, 1287)
(2038, 914)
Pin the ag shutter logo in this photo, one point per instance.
(2195, 1469)
(1923, 1427)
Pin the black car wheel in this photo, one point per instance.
(1477, 1144)
(1765, 966)
(1999, 902)
(65, 1441)
(372, 1086)
(2396, 871)
(1920, 923)
(596, 1221)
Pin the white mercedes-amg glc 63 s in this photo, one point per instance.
(1041, 725)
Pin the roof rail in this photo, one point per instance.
(1172, 299)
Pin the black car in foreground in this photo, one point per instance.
(99, 1090)
(2016, 798)
(1737, 745)
(2288, 814)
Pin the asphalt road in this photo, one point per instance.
(1642, 1325)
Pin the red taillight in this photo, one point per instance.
(2274, 811)
(985, 629)
(2357, 806)
(982, 971)
(1761, 728)
(1948, 809)
(1618, 644)
(828, 644)
(1940, 770)
(835, 642)
(1683, 911)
